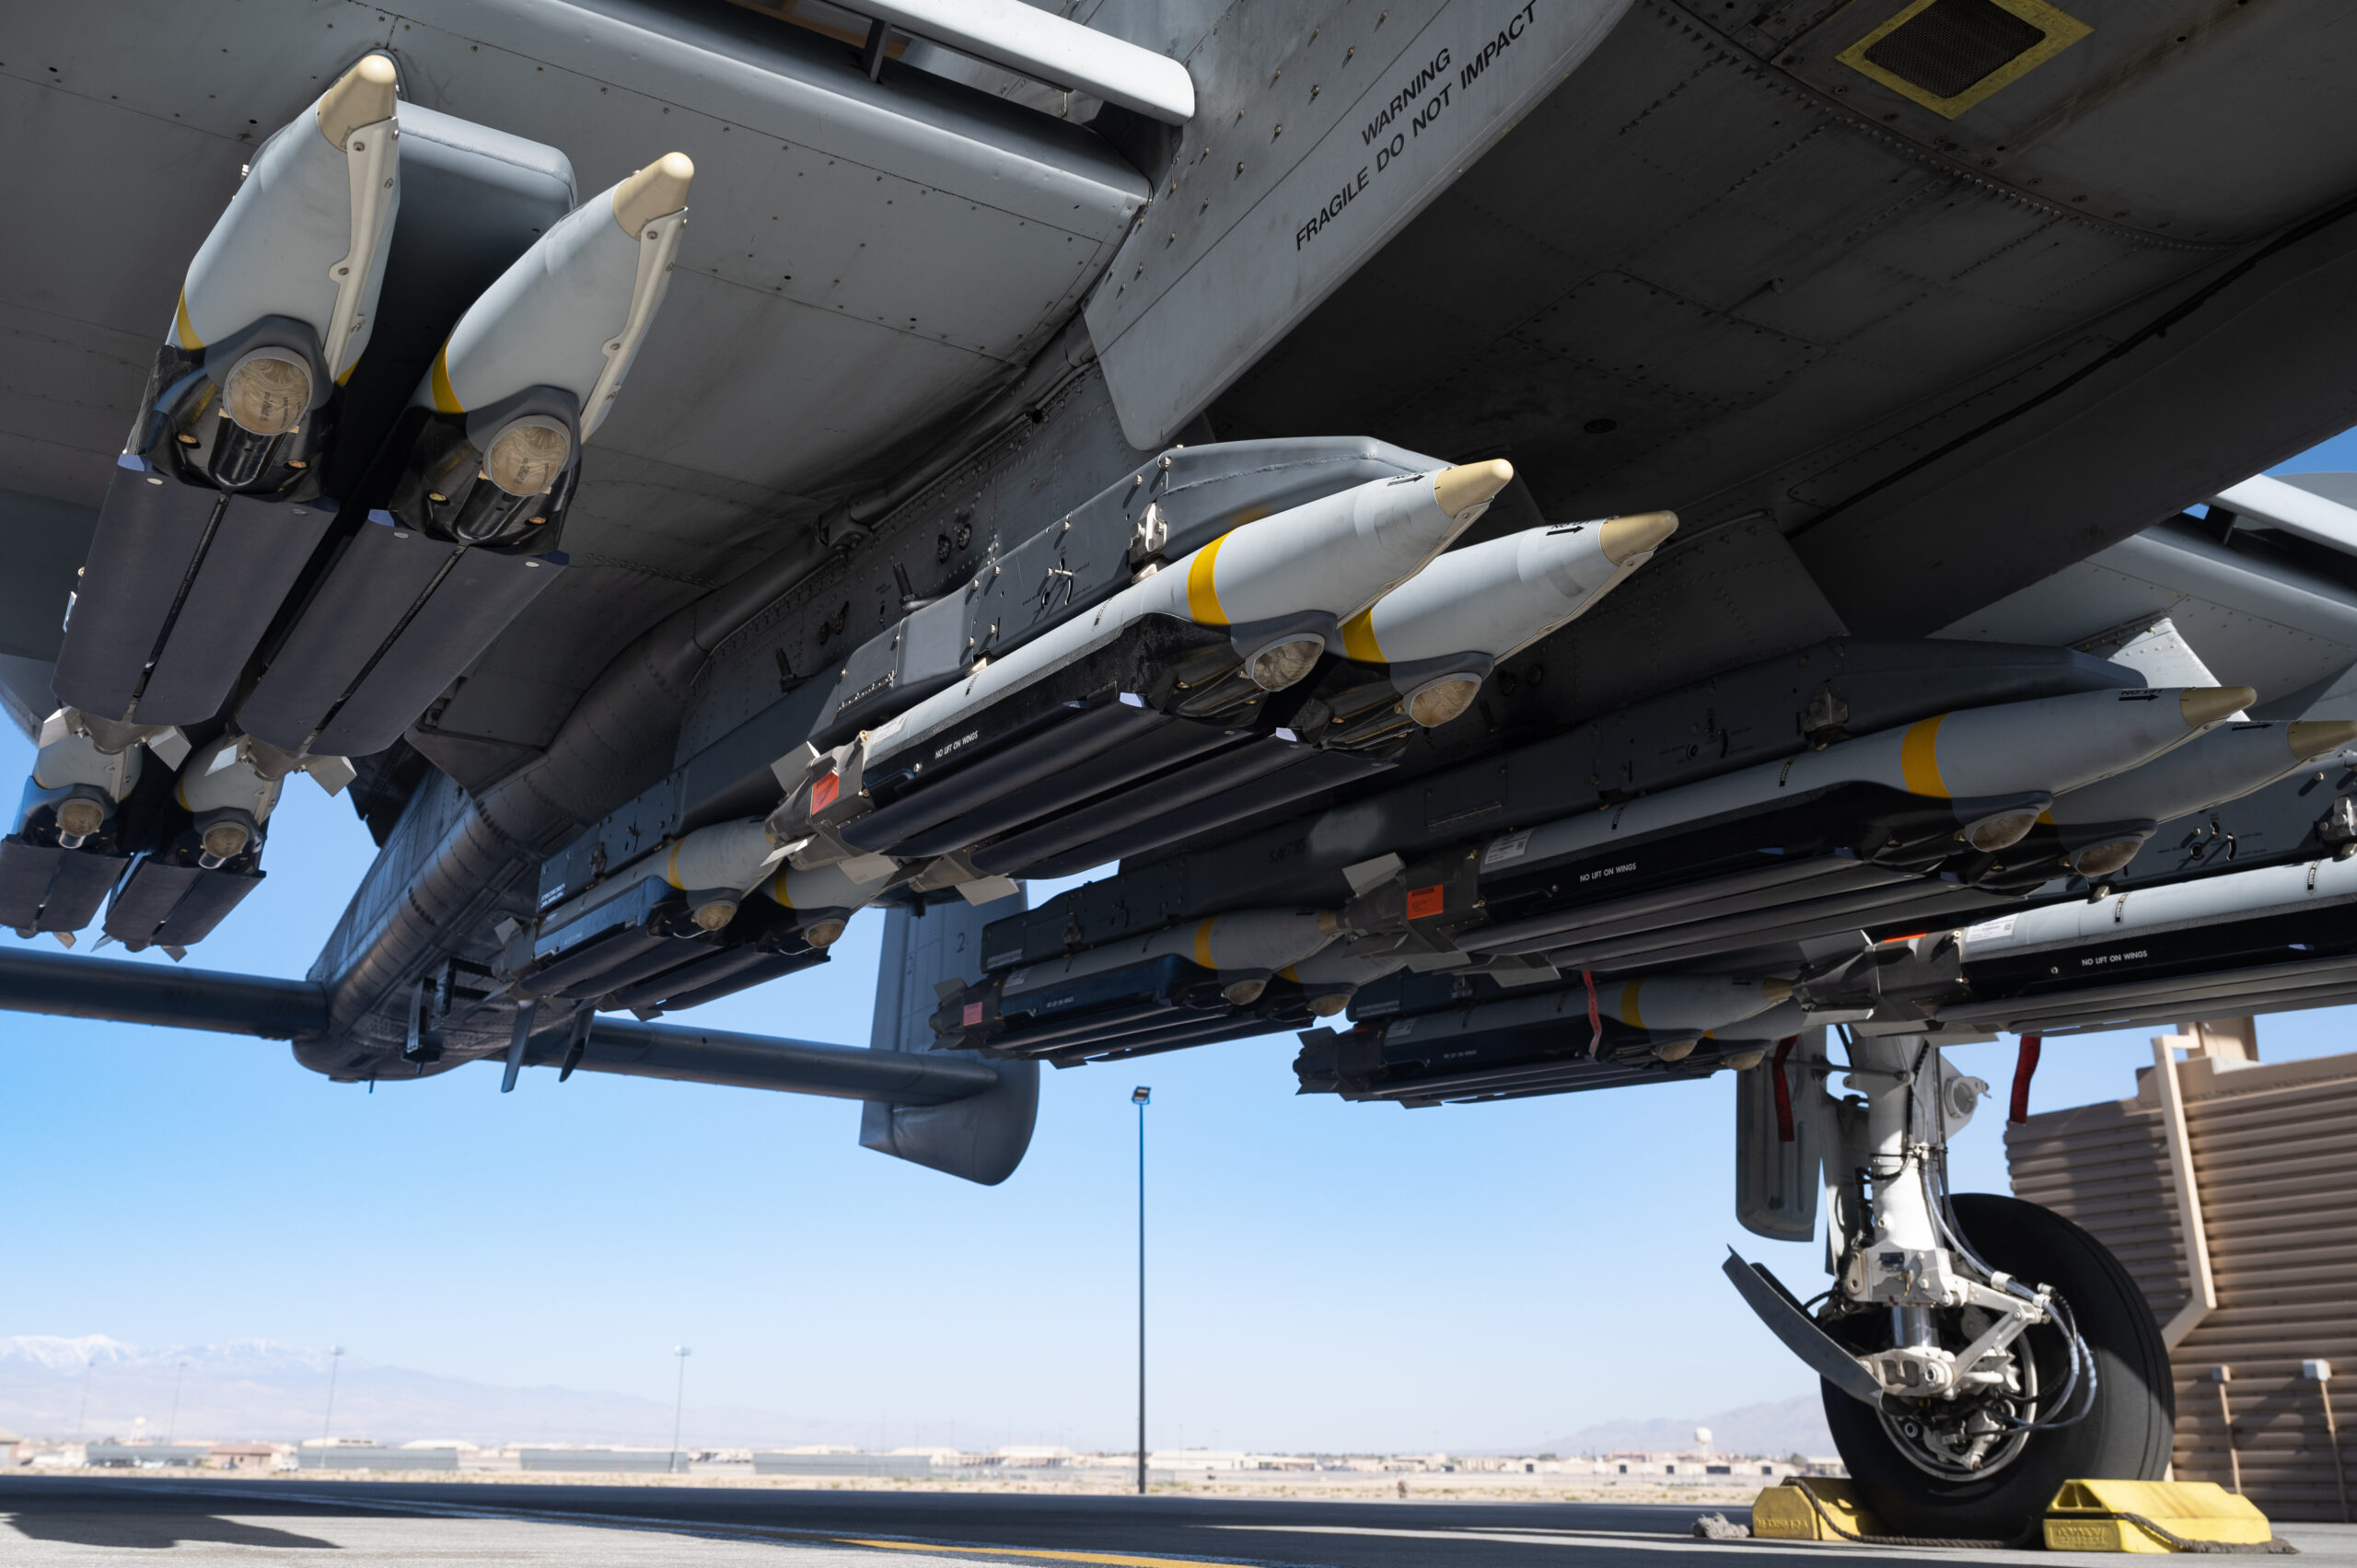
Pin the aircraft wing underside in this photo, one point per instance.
(1283, 453)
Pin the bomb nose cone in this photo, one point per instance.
(661, 187)
(1636, 535)
(362, 96)
(2207, 704)
(2314, 737)
(1460, 489)
(1772, 989)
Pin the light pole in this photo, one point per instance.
(678, 1404)
(171, 1428)
(1141, 1097)
(327, 1427)
(89, 1366)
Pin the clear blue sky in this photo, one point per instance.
(1324, 1274)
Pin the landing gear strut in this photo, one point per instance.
(1977, 1351)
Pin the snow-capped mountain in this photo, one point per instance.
(55, 1353)
(90, 1386)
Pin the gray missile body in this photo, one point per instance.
(281, 299)
(2273, 937)
(1997, 767)
(1439, 635)
(824, 898)
(1330, 977)
(535, 365)
(69, 849)
(1688, 1002)
(2103, 825)
(717, 866)
(1280, 587)
(2275, 891)
(1248, 612)
(244, 398)
(306, 236)
(2224, 765)
(82, 771)
(181, 888)
(482, 468)
(1244, 949)
(1989, 770)
(2094, 832)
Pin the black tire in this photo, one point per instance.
(2126, 1437)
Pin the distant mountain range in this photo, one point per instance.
(257, 1389)
(1778, 1428)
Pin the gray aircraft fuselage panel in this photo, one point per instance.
(1321, 133)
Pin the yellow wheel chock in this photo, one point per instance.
(2150, 1516)
(2086, 1516)
(1784, 1512)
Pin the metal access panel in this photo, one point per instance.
(187, 578)
(397, 619)
(1320, 129)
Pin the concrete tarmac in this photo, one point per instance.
(63, 1521)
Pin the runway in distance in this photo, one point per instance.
(1538, 545)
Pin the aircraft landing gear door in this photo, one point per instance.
(1977, 1351)
(1779, 1138)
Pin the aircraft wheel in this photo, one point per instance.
(1984, 1469)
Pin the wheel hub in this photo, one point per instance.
(1979, 1429)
